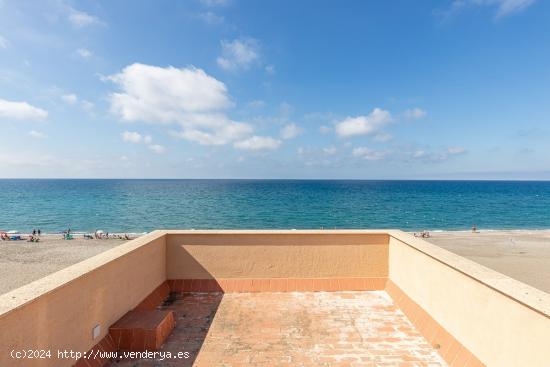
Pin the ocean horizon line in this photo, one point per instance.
(269, 179)
(137, 205)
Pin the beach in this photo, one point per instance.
(22, 262)
(521, 254)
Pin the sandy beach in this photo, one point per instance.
(521, 254)
(22, 262)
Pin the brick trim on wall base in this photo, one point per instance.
(235, 285)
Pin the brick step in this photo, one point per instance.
(141, 330)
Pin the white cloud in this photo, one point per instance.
(363, 125)
(211, 18)
(368, 154)
(188, 97)
(225, 132)
(84, 53)
(69, 98)
(158, 149)
(3, 42)
(165, 95)
(414, 113)
(21, 111)
(329, 150)
(258, 143)
(504, 7)
(324, 129)
(37, 134)
(81, 19)
(437, 157)
(239, 54)
(456, 150)
(135, 137)
(291, 131)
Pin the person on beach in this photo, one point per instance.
(39, 232)
(474, 228)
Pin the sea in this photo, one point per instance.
(137, 206)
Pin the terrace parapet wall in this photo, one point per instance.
(490, 318)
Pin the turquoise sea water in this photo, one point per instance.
(144, 205)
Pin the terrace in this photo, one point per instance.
(379, 298)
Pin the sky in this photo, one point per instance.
(275, 89)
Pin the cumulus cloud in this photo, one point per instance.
(329, 150)
(84, 53)
(324, 129)
(224, 131)
(81, 19)
(290, 131)
(165, 95)
(363, 125)
(418, 153)
(187, 97)
(21, 111)
(69, 98)
(37, 134)
(156, 148)
(258, 143)
(414, 113)
(456, 150)
(239, 54)
(368, 154)
(135, 137)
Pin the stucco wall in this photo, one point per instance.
(276, 255)
(497, 328)
(71, 302)
(502, 321)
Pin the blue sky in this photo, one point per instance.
(281, 89)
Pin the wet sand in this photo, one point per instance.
(521, 254)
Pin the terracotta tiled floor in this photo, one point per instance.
(293, 329)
